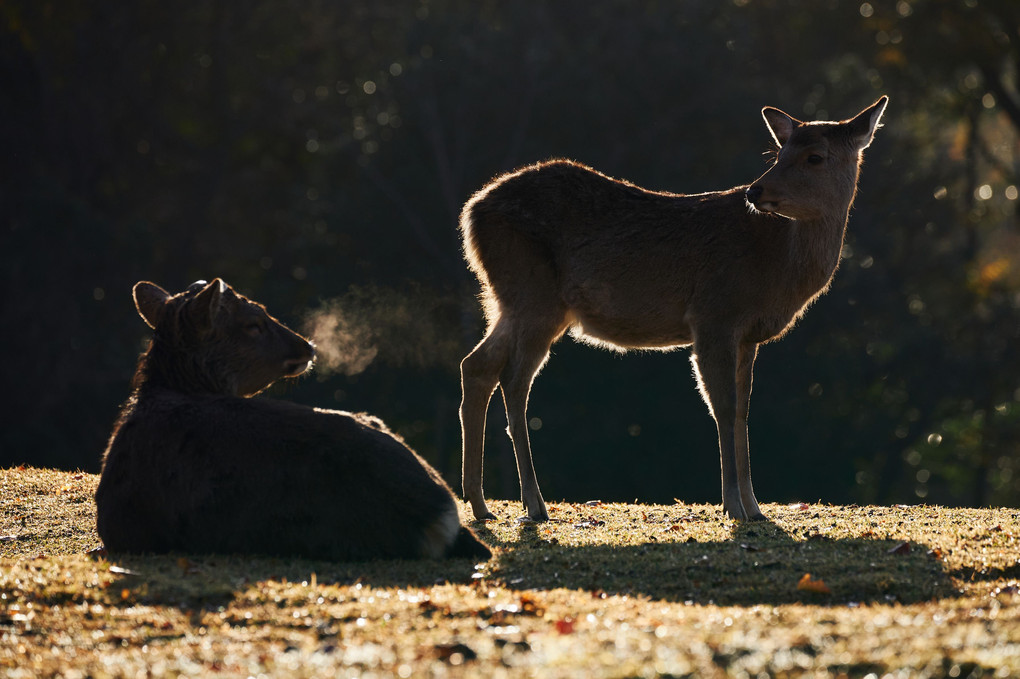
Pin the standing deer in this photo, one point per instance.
(194, 465)
(560, 246)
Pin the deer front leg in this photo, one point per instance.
(515, 382)
(517, 427)
(745, 367)
(715, 364)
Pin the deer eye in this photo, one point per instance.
(254, 329)
(815, 159)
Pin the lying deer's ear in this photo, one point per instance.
(149, 300)
(779, 124)
(867, 121)
(206, 305)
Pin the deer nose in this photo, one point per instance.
(753, 194)
(297, 365)
(293, 367)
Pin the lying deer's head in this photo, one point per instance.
(211, 339)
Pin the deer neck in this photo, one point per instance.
(816, 246)
(161, 368)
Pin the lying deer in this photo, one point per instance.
(194, 465)
(558, 246)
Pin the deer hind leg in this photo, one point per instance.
(528, 356)
(715, 365)
(745, 366)
(480, 372)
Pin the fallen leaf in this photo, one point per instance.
(8, 538)
(428, 607)
(807, 584)
(593, 503)
(187, 565)
(565, 625)
(455, 653)
(511, 644)
(801, 506)
(530, 606)
(901, 549)
(936, 553)
(117, 570)
(749, 548)
(590, 522)
(499, 615)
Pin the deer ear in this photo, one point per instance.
(207, 304)
(149, 300)
(779, 124)
(867, 121)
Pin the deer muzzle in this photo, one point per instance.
(295, 366)
(755, 196)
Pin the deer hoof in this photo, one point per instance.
(738, 515)
(483, 514)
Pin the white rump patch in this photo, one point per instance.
(441, 534)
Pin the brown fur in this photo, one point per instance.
(560, 246)
(194, 465)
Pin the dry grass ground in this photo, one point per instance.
(603, 590)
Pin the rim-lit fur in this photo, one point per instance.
(195, 465)
(558, 246)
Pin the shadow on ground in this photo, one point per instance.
(202, 581)
(760, 564)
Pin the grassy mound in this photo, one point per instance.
(602, 590)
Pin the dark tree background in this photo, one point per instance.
(316, 154)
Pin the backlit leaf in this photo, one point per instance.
(808, 584)
(901, 549)
(565, 625)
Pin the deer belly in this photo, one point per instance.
(631, 331)
(628, 312)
